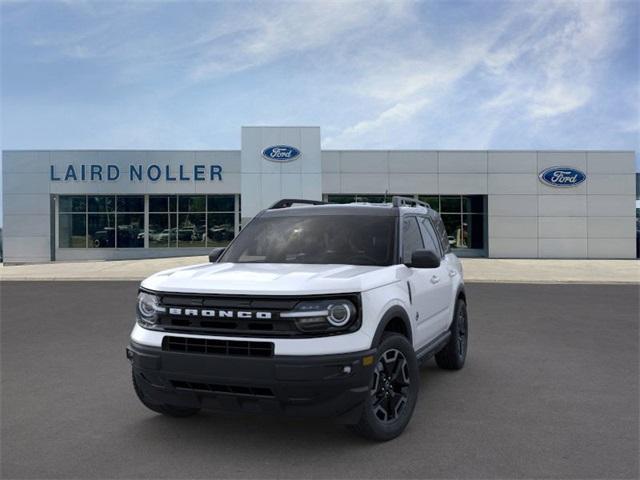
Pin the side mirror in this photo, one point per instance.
(215, 254)
(424, 259)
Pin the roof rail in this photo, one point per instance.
(289, 202)
(397, 201)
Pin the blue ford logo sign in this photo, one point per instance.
(281, 153)
(562, 177)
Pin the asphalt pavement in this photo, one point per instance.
(550, 390)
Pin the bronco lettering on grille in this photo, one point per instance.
(193, 312)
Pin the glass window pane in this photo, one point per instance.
(158, 203)
(374, 198)
(159, 230)
(101, 230)
(102, 203)
(131, 203)
(429, 236)
(219, 229)
(450, 204)
(173, 228)
(341, 198)
(173, 203)
(411, 238)
(73, 203)
(473, 228)
(220, 203)
(473, 204)
(191, 203)
(453, 225)
(432, 200)
(130, 230)
(191, 230)
(72, 230)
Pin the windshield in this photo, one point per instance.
(344, 239)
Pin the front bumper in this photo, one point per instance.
(326, 385)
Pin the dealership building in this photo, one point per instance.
(121, 204)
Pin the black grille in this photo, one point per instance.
(217, 347)
(248, 327)
(229, 389)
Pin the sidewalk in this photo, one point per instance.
(475, 270)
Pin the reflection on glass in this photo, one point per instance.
(373, 198)
(158, 230)
(219, 229)
(101, 230)
(432, 200)
(191, 230)
(72, 230)
(453, 224)
(192, 203)
(473, 204)
(73, 203)
(158, 203)
(450, 204)
(473, 226)
(341, 198)
(220, 203)
(130, 230)
(102, 203)
(131, 203)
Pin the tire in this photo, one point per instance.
(454, 353)
(389, 407)
(164, 409)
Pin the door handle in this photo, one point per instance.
(435, 279)
(452, 273)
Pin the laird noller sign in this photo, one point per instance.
(135, 173)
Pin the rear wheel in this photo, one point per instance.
(164, 409)
(393, 390)
(454, 353)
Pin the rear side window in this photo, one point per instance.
(411, 238)
(431, 241)
(441, 231)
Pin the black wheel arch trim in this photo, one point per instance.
(394, 312)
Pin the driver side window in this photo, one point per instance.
(411, 238)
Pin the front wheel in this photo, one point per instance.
(393, 390)
(454, 353)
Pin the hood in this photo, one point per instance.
(271, 279)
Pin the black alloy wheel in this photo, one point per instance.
(390, 389)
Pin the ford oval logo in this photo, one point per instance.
(281, 153)
(562, 177)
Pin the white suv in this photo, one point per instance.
(314, 309)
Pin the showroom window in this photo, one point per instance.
(101, 221)
(361, 197)
(118, 221)
(191, 220)
(464, 216)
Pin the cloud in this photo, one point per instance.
(539, 60)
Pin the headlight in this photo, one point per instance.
(148, 309)
(329, 315)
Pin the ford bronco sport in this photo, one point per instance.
(313, 309)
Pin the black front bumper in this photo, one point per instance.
(327, 385)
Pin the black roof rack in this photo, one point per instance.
(397, 201)
(288, 202)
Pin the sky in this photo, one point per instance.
(374, 74)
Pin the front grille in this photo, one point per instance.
(263, 314)
(228, 389)
(217, 347)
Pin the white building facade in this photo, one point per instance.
(120, 204)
